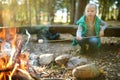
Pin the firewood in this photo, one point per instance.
(26, 73)
(19, 77)
(7, 69)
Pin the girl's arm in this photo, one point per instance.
(103, 26)
(79, 33)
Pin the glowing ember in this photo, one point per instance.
(11, 58)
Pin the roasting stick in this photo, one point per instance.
(61, 40)
(91, 37)
(58, 40)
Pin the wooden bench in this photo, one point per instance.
(109, 32)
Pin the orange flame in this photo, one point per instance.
(16, 60)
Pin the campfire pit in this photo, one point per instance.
(14, 59)
(13, 62)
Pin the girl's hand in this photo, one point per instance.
(79, 38)
(101, 33)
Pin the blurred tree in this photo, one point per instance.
(35, 12)
(13, 6)
(1, 19)
(51, 10)
(62, 5)
(104, 8)
(29, 12)
(68, 4)
(118, 7)
(72, 11)
(80, 7)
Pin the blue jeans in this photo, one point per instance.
(92, 42)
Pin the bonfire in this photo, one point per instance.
(13, 61)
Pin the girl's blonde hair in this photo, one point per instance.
(91, 4)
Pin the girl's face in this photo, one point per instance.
(90, 11)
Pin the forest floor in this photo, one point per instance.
(108, 57)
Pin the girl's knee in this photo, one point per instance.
(93, 41)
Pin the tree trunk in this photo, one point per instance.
(28, 12)
(13, 10)
(105, 9)
(118, 18)
(1, 19)
(50, 10)
(72, 11)
(80, 7)
(37, 12)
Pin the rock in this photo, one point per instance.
(62, 59)
(76, 61)
(36, 62)
(87, 71)
(45, 59)
(118, 74)
(33, 56)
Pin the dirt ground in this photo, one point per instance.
(108, 57)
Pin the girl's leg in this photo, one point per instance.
(82, 44)
(93, 43)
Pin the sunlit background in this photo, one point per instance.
(38, 12)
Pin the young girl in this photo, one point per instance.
(90, 29)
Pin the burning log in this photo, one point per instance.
(14, 62)
(6, 69)
(19, 77)
(21, 74)
(25, 73)
(10, 64)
